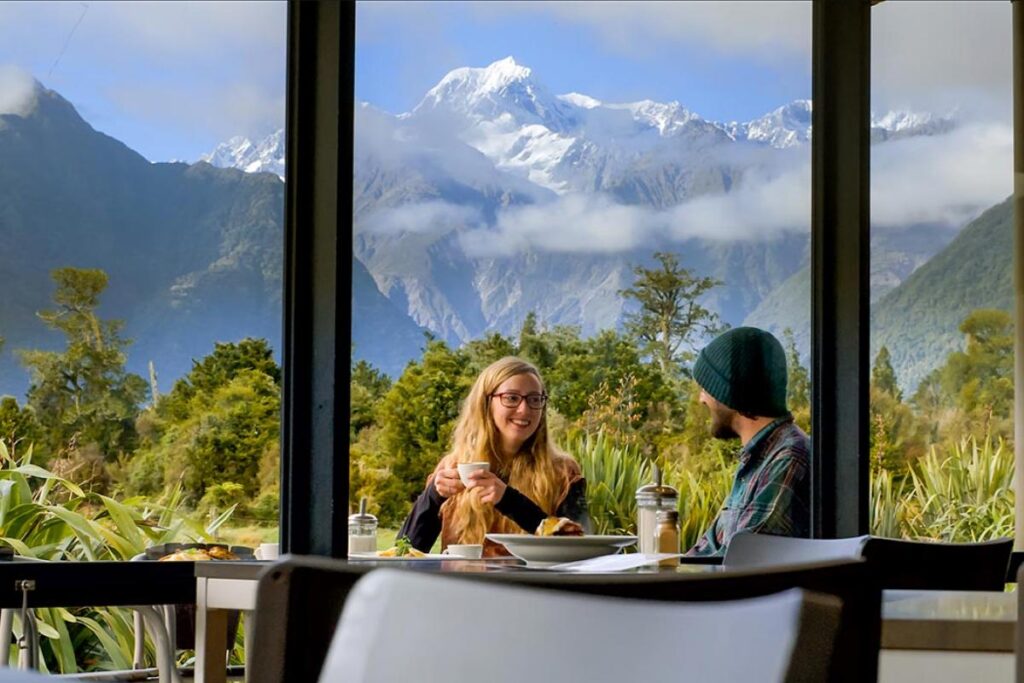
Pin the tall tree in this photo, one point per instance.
(219, 425)
(798, 385)
(883, 376)
(670, 315)
(83, 395)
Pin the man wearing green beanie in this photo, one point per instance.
(742, 376)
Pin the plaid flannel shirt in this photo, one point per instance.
(771, 491)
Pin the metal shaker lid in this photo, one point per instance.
(362, 517)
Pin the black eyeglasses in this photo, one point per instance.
(510, 399)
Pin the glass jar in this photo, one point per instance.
(362, 531)
(666, 536)
(650, 499)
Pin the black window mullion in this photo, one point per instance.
(317, 277)
(840, 233)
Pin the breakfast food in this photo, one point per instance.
(559, 526)
(187, 555)
(213, 552)
(395, 551)
(220, 552)
(401, 548)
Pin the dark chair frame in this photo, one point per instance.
(924, 565)
(300, 599)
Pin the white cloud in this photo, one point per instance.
(941, 179)
(208, 67)
(17, 91)
(425, 218)
(946, 179)
(933, 55)
(763, 206)
(572, 223)
(751, 27)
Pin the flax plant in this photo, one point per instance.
(965, 495)
(613, 472)
(46, 517)
(700, 497)
(958, 494)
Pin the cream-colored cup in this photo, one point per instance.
(466, 467)
(469, 551)
(268, 551)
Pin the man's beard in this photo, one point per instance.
(721, 421)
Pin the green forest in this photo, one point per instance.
(97, 463)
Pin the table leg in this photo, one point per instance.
(249, 624)
(211, 639)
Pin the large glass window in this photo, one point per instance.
(941, 271)
(532, 179)
(141, 213)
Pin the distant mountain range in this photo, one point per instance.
(492, 198)
(193, 253)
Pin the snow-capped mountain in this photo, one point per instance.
(787, 126)
(262, 156)
(452, 198)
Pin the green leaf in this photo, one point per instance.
(110, 646)
(126, 524)
(85, 530)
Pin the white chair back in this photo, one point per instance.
(404, 626)
(761, 550)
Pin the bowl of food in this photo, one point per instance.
(559, 540)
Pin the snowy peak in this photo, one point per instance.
(790, 125)
(666, 118)
(902, 123)
(263, 156)
(787, 126)
(502, 90)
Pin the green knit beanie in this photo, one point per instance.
(745, 369)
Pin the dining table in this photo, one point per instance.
(943, 635)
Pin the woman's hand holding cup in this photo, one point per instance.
(447, 482)
(491, 487)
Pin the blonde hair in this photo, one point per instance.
(535, 471)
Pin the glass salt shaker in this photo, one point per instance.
(649, 500)
(362, 531)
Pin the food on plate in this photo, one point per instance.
(559, 526)
(213, 552)
(220, 552)
(401, 548)
(187, 555)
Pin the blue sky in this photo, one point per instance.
(170, 79)
(173, 79)
(404, 49)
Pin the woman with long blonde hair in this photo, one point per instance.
(503, 422)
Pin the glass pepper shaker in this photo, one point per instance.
(667, 536)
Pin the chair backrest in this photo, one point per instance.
(300, 599)
(925, 565)
(401, 626)
(898, 563)
(757, 550)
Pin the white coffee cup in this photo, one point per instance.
(268, 551)
(466, 467)
(469, 551)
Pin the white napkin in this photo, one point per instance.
(614, 563)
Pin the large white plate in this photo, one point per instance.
(548, 550)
